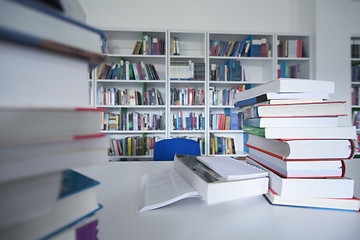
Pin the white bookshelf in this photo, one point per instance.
(195, 47)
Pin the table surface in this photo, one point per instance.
(248, 218)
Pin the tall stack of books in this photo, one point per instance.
(293, 133)
(46, 124)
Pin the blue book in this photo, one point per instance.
(250, 101)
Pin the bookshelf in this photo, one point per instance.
(355, 81)
(187, 85)
(234, 67)
(192, 82)
(140, 116)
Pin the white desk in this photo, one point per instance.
(251, 218)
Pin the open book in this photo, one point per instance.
(163, 188)
(220, 180)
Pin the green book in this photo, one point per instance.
(254, 130)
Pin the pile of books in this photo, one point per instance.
(46, 124)
(293, 133)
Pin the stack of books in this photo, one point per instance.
(293, 133)
(46, 124)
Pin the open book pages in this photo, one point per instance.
(232, 169)
(163, 188)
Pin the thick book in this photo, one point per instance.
(302, 149)
(25, 199)
(273, 97)
(214, 188)
(76, 201)
(311, 109)
(309, 168)
(340, 204)
(33, 19)
(18, 162)
(287, 85)
(20, 125)
(66, 86)
(308, 187)
(292, 122)
(17, 37)
(303, 132)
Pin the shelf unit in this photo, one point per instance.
(248, 68)
(186, 68)
(355, 82)
(187, 85)
(119, 49)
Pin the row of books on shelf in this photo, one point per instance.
(355, 70)
(302, 148)
(221, 145)
(187, 96)
(355, 96)
(133, 121)
(133, 146)
(128, 97)
(187, 70)
(41, 196)
(355, 48)
(189, 121)
(284, 70)
(174, 46)
(356, 119)
(247, 48)
(226, 121)
(149, 46)
(231, 71)
(224, 97)
(125, 70)
(290, 48)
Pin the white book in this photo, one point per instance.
(232, 169)
(298, 149)
(32, 125)
(292, 122)
(287, 85)
(309, 187)
(18, 162)
(77, 200)
(309, 168)
(45, 25)
(304, 132)
(25, 199)
(212, 187)
(349, 204)
(57, 80)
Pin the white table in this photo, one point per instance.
(250, 218)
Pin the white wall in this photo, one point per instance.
(332, 47)
(205, 15)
